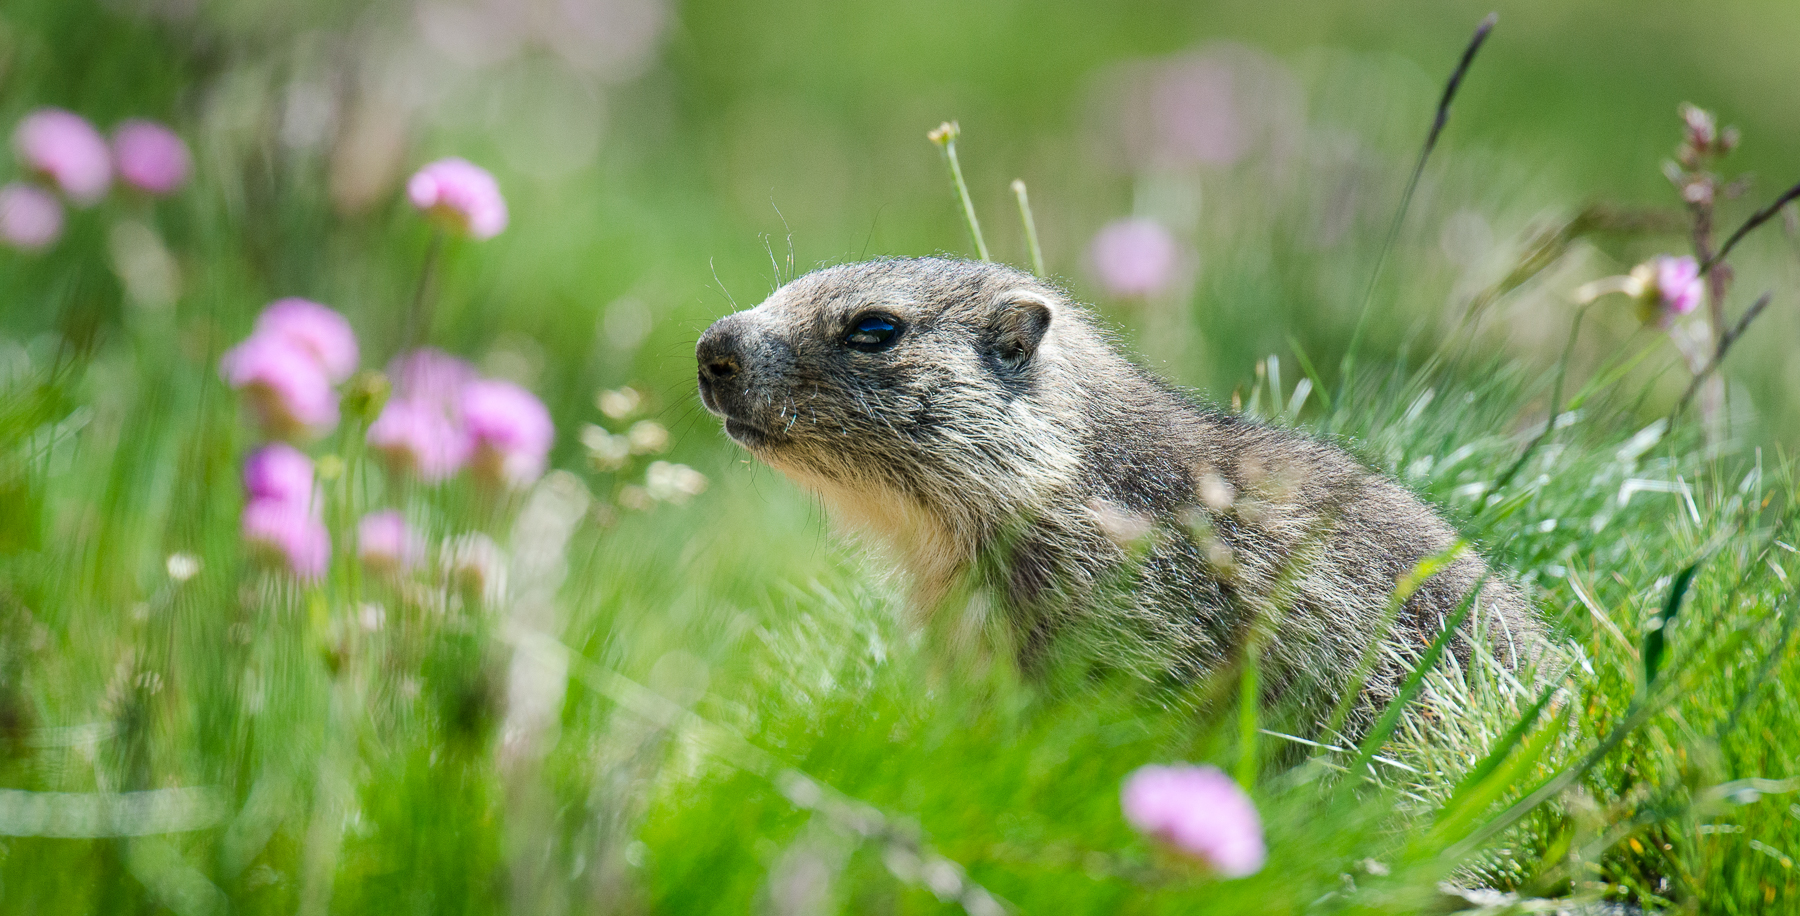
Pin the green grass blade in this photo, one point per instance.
(1403, 591)
(1409, 689)
(1655, 638)
(1249, 715)
(1499, 771)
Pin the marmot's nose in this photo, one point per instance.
(717, 352)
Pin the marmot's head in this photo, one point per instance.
(927, 379)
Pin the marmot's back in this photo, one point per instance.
(975, 420)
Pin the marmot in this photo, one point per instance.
(979, 422)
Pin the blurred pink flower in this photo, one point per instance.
(316, 330)
(430, 375)
(150, 157)
(422, 437)
(1199, 811)
(420, 431)
(288, 534)
(1213, 106)
(1134, 257)
(1664, 286)
(387, 544)
(510, 429)
(279, 472)
(64, 148)
(1678, 284)
(285, 383)
(31, 218)
(461, 195)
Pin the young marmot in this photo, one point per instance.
(977, 421)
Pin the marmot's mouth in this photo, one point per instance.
(748, 436)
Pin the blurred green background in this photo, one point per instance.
(655, 154)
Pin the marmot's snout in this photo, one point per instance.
(735, 365)
(720, 363)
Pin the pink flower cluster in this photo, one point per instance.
(444, 416)
(298, 351)
(1199, 812)
(281, 520)
(62, 151)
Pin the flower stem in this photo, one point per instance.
(418, 316)
(1031, 237)
(945, 137)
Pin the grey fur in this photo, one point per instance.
(1002, 437)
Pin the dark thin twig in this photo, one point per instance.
(1725, 342)
(1412, 184)
(1756, 219)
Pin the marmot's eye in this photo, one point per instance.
(872, 332)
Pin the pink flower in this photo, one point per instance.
(1678, 284)
(31, 218)
(64, 148)
(1664, 287)
(315, 329)
(1214, 106)
(420, 431)
(421, 437)
(461, 195)
(510, 429)
(288, 534)
(285, 383)
(386, 544)
(1199, 811)
(279, 472)
(1134, 257)
(150, 156)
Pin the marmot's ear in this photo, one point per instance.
(1021, 318)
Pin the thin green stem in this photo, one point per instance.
(419, 314)
(1031, 236)
(945, 137)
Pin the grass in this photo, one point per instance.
(720, 705)
(708, 671)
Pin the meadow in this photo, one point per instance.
(593, 658)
